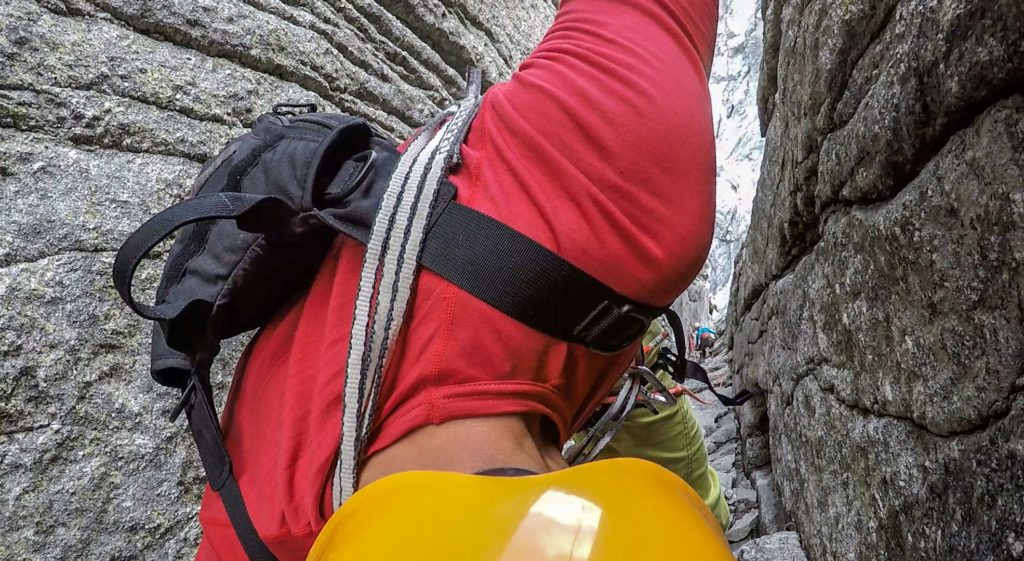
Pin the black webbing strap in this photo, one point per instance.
(495, 263)
(489, 260)
(202, 420)
(249, 210)
(683, 368)
(530, 283)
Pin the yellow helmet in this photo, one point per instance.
(610, 510)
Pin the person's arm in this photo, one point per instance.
(602, 135)
(604, 131)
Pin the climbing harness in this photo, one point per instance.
(640, 387)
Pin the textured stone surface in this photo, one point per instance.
(879, 302)
(781, 546)
(743, 498)
(723, 461)
(774, 517)
(742, 526)
(727, 450)
(107, 108)
(693, 306)
(708, 414)
(756, 452)
(738, 140)
(754, 504)
(725, 432)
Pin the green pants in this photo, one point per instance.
(673, 440)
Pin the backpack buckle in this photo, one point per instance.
(611, 328)
(293, 109)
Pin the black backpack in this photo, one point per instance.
(263, 214)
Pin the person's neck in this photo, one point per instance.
(468, 446)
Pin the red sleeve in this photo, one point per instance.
(601, 148)
(601, 145)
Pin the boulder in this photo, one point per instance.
(774, 517)
(723, 462)
(756, 451)
(781, 546)
(727, 450)
(725, 479)
(725, 432)
(709, 413)
(742, 527)
(743, 498)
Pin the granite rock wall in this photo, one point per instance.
(879, 300)
(107, 109)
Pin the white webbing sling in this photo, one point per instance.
(388, 271)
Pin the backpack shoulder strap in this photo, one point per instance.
(242, 207)
(530, 283)
(196, 400)
(202, 421)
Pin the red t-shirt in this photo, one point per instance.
(601, 148)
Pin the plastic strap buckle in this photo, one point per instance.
(611, 328)
(293, 109)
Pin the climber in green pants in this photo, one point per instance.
(672, 438)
